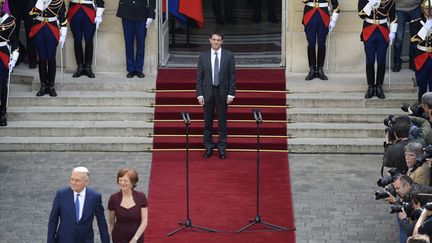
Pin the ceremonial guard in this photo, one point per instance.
(84, 18)
(48, 30)
(377, 35)
(318, 23)
(421, 37)
(8, 57)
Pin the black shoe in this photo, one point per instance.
(140, 75)
(222, 153)
(396, 68)
(320, 74)
(3, 120)
(42, 91)
(370, 92)
(380, 92)
(79, 71)
(52, 92)
(208, 153)
(130, 75)
(88, 71)
(311, 75)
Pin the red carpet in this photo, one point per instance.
(222, 192)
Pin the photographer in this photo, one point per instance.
(426, 129)
(424, 224)
(426, 101)
(418, 170)
(396, 139)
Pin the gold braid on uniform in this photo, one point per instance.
(55, 4)
(6, 26)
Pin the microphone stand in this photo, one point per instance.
(258, 219)
(188, 222)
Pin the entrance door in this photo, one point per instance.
(164, 53)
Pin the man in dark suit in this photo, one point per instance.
(215, 88)
(75, 207)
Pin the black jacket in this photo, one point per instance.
(136, 10)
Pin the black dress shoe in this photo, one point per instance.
(3, 120)
(130, 75)
(52, 92)
(208, 153)
(396, 68)
(370, 92)
(380, 92)
(222, 153)
(140, 75)
(320, 74)
(42, 91)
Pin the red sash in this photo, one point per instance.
(367, 32)
(91, 13)
(324, 16)
(4, 57)
(421, 59)
(37, 27)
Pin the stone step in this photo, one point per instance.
(45, 113)
(77, 129)
(94, 144)
(336, 130)
(348, 100)
(83, 99)
(358, 115)
(336, 145)
(401, 82)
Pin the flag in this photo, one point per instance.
(173, 6)
(192, 9)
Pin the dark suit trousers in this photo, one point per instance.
(221, 110)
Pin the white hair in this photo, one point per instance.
(82, 169)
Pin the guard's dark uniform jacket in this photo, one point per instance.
(52, 16)
(375, 36)
(422, 39)
(316, 19)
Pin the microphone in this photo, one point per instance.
(257, 115)
(185, 117)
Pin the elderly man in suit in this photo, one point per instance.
(75, 207)
(215, 88)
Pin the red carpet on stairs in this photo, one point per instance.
(222, 192)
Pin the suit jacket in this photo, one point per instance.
(70, 231)
(227, 75)
(136, 10)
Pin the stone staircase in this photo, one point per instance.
(108, 113)
(333, 116)
(111, 113)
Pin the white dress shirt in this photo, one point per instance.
(81, 201)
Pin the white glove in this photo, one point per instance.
(333, 21)
(391, 38)
(149, 21)
(63, 33)
(373, 3)
(98, 18)
(332, 24)
(428, 24)
(13, 60)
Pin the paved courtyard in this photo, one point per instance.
(333, 194)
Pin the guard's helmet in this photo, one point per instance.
(426, 8)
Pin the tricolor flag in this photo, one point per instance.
(181, 9)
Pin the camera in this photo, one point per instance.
(386, 180)
(427, 153)
(415, 109)
(389, 120)
(398, 206)
(384, 193)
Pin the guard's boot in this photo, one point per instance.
(312, 63)
(380, 80)
(79, 59)
(51, 77)
(370, 77)
(43, 76)
(3, 118)
(320, 62)
(88, 60)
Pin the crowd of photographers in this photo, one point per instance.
(406, 171)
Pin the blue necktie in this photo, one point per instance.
(216, 70)
(77, 207)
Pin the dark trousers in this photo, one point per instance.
(134, 32)
(46, 44)
(316, 31)
(228, 9)
(4, 75)
(20, 9)
(375, 48)
(81, 26)
(403, 17)
(221, 109)
(424, 78)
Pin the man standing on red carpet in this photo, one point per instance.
(215, 89)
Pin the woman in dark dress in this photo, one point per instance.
(127, 209)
